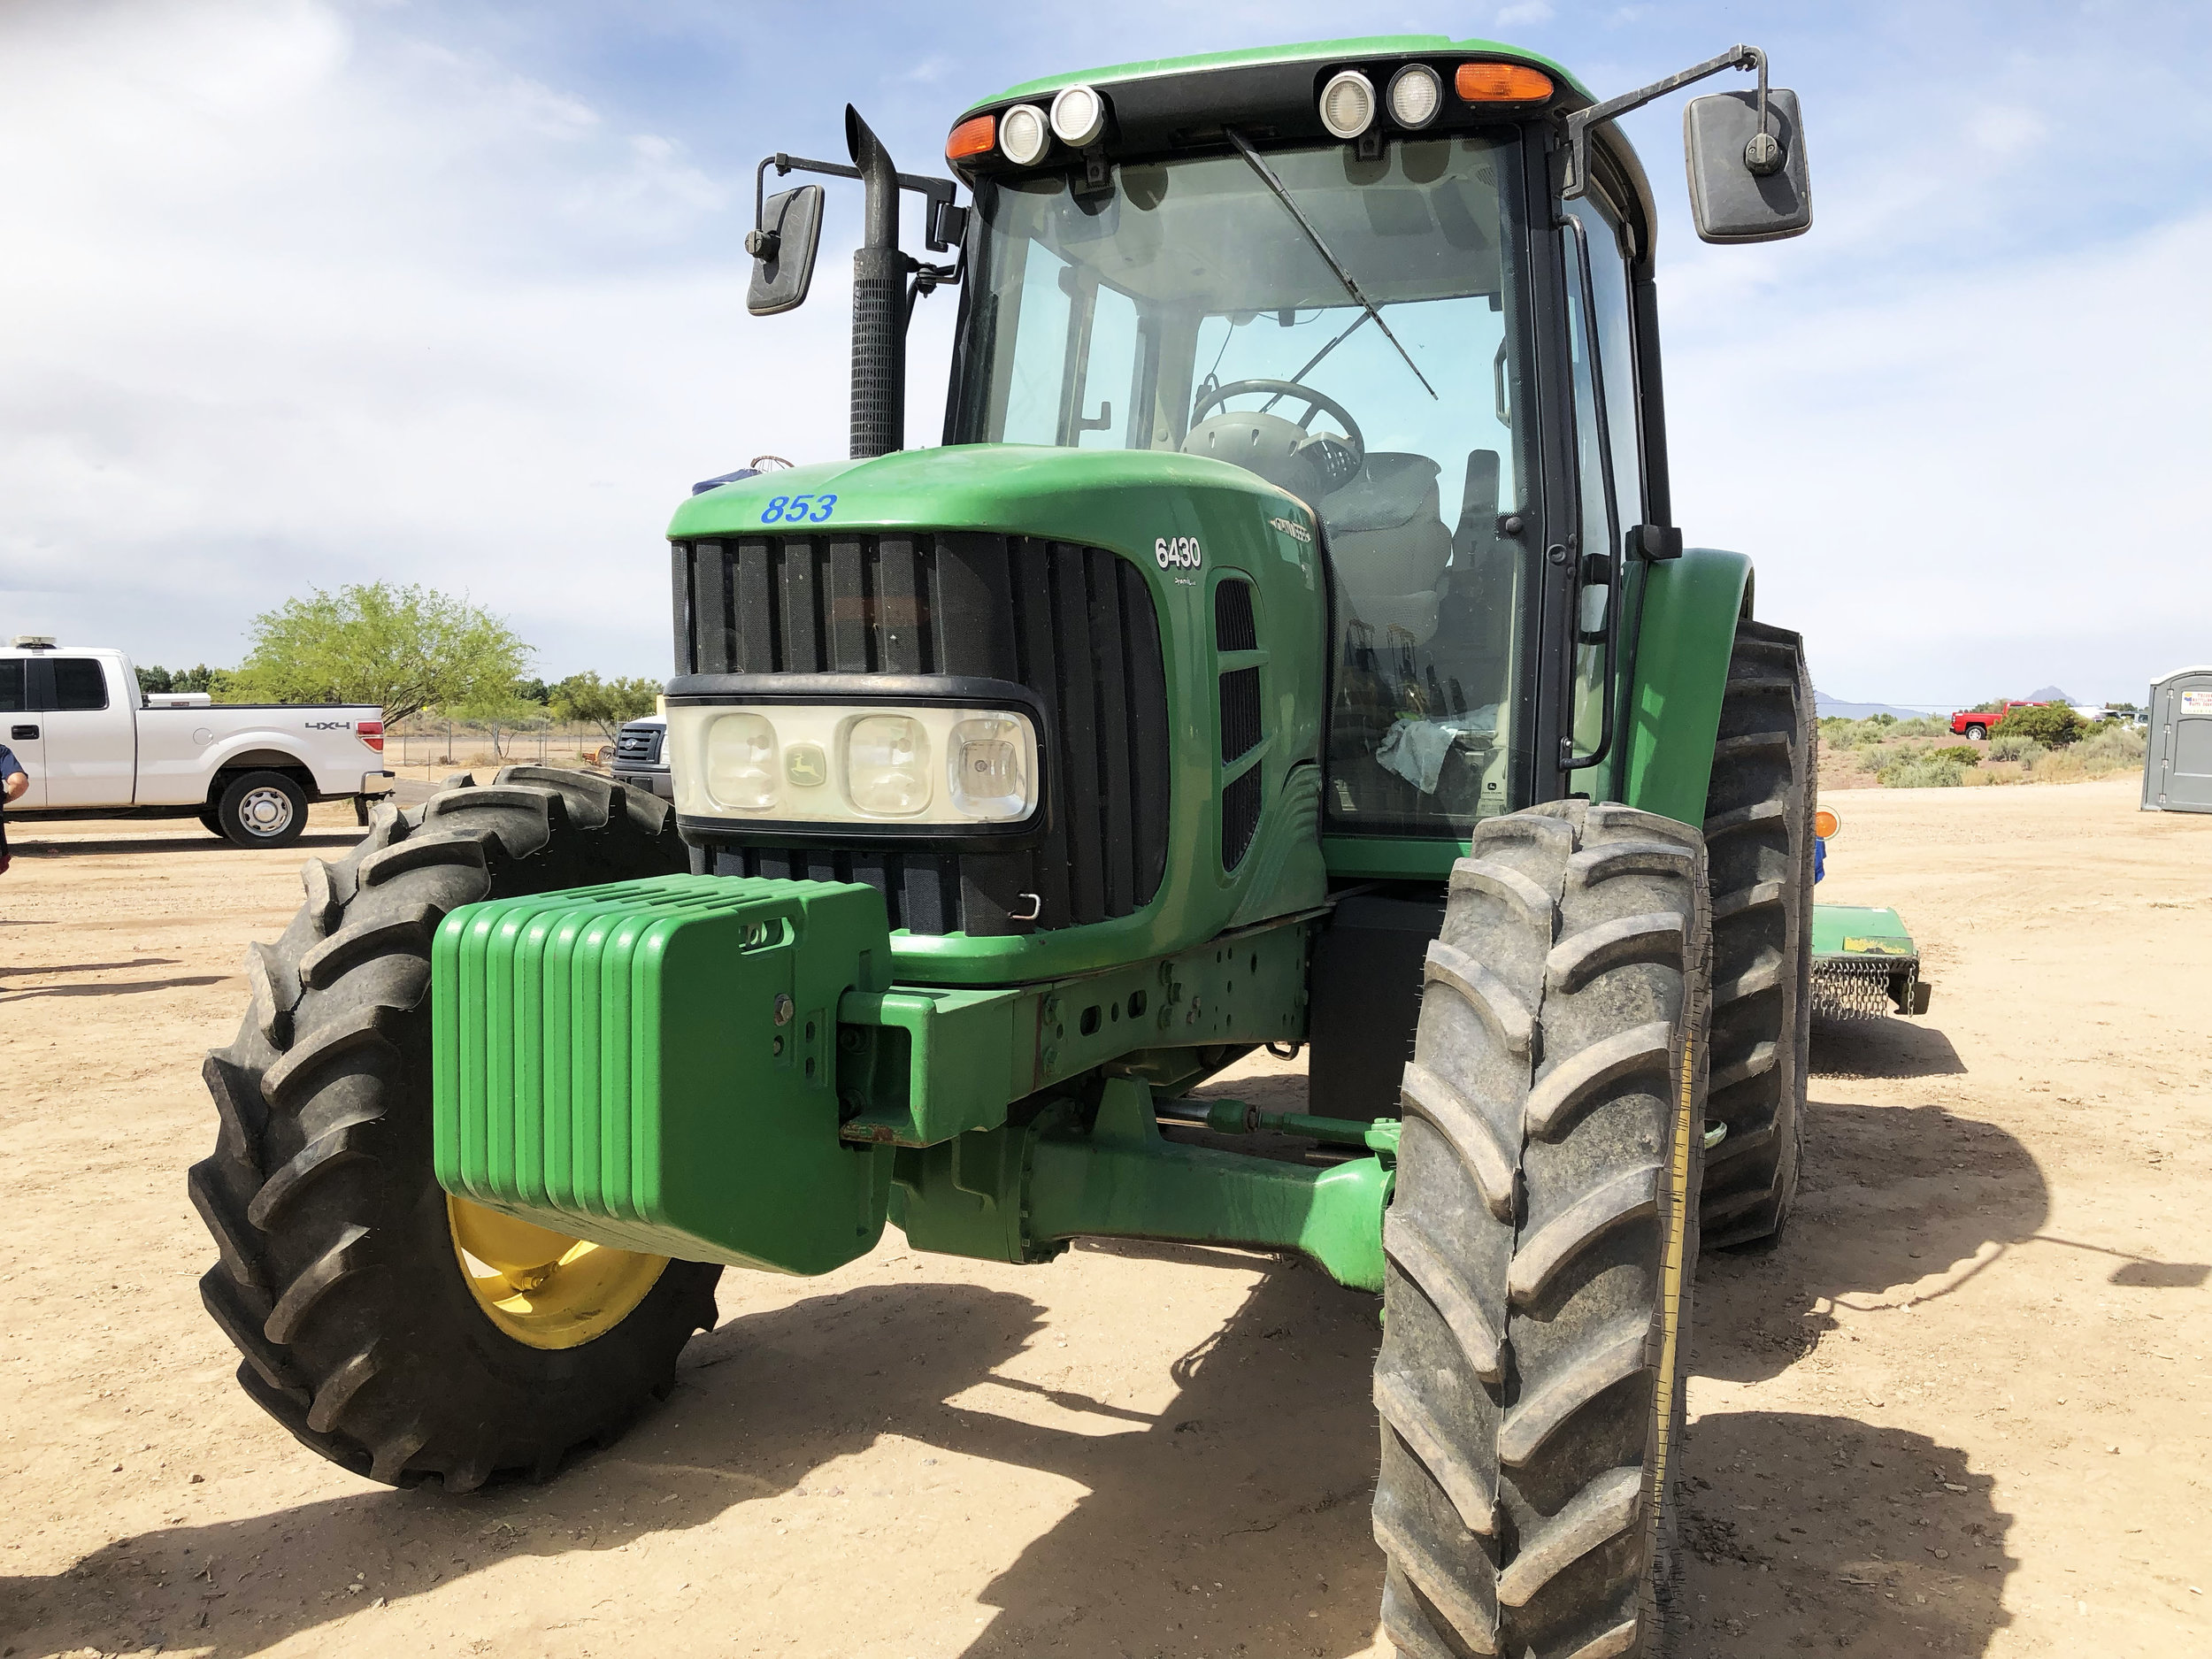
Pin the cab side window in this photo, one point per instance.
(11, 698)
(79, 683)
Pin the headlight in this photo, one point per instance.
(988, 770)
(826, 763)
(743, 762)
(887, 765)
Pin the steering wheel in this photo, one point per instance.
(1339, 459)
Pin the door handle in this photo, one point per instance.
(24, 733)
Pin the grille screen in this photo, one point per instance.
(1075, 625)
(1239, 816)
(1234, 629)
(1240, 713)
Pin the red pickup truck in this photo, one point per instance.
(1975, 722)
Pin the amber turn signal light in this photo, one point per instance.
(1825, 823)
(1501, 83)
(976, 136)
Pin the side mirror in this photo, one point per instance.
(1747, 185)
(783, 251)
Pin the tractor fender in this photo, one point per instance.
(1687, 627)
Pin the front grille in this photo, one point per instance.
(638, 745)
(1074, 625)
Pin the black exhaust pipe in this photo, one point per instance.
(879, 272)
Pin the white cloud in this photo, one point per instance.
(1979, 484)
(285, 312)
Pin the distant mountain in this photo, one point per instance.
(1836, 709)
(2049, 694)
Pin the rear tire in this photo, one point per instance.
(262, 808)
(1978, 734)
(1541, 1244)
(1759, 847)
(341, 1278)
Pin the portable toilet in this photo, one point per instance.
(2178, 763)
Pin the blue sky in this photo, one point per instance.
(299, 293)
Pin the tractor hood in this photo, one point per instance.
(1126, 499)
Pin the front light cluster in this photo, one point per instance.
(816, 763)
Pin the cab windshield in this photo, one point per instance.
(1187, 309)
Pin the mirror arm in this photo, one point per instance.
(1578, 124)
(944, 225)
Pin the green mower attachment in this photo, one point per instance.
(1865, 964)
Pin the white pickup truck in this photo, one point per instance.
(94, 746)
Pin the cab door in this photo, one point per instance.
(1609, 467)
(20, 730)
(91, 731)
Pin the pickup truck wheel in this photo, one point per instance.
(1759, 845)
(1978, 734)
(262, 808)
(396, 1331)
(1541, 1242)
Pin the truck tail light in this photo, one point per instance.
(372, 733)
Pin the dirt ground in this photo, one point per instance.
(1961, 1409)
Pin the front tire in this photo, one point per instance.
(1541, 1244)
(396, 1331)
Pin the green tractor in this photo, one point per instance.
(1173, 707)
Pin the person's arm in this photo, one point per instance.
(15, 783)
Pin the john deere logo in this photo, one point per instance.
(806, 765)
(1294, 531)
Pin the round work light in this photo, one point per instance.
(1417, 93)
(1348, 103)
(1079, 116)
(1022, 133)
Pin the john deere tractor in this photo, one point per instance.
(1290, 643)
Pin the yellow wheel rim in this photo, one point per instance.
(544, 1288)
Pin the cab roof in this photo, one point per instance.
(1358, 46)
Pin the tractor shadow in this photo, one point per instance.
(818, 1380)
(1800, 1531)
(1898, 1205)
(1235, 1522)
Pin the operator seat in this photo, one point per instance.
(1388, 545)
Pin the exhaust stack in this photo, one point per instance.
(879, 272)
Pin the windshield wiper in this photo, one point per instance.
(1268, 178)
(1314, 362)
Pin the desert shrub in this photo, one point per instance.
(1923, 772)
(1965, 753)
(1921, 725)
(2054, 725)
(2011, 745)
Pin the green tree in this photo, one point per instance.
(2053, 725)
(587, 700)
(408, 648)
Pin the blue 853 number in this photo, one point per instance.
(798, 509)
